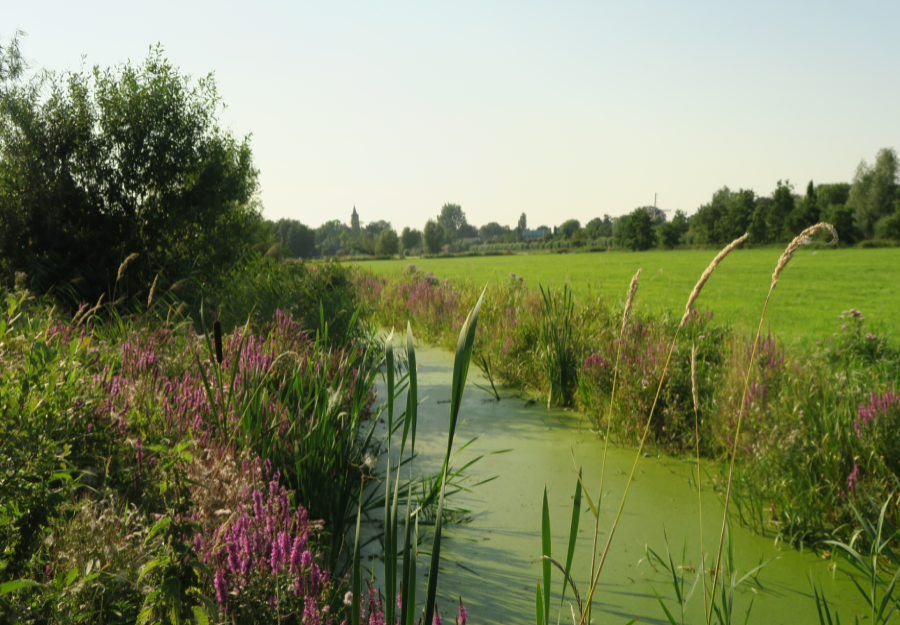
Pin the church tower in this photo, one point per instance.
(354, 222)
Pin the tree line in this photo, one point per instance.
(101, 167)
(866, 209)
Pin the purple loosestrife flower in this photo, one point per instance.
(463, 616)
(221, 588)
(853, 478)
(437, 616)
(311, 612)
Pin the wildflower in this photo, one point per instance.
(221, 588)
(853, 478)
(348, 599)
(463, 616)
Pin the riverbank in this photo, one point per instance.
(806, 455)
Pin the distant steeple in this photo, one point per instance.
(354, 222)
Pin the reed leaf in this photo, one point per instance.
(461, 363)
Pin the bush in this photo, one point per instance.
(124, 162)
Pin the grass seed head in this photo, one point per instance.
(124, 264)
(804, 238)
(152, 291)
(706, 274)
(630, 300)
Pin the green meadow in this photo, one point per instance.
(817, 286)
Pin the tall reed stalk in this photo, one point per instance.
(626, 313)
(687, 312)
(804, 238)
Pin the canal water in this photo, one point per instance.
(491, 557)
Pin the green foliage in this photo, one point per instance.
(451, 218)
(672, 232)
(635, 231)
(410, 238)
(569, 227)
(874, 190)
(96, 166)
(434, 236)
(297, 240)
(388, 243)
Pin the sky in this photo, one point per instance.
(556, 109)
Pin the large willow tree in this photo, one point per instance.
(100, 164)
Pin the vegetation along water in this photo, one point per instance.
(197, 426)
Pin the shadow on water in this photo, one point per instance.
(492, 559)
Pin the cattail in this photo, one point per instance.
(804, 238)
(152, 291)
(694, 390)
(124, 264)
(706, 274)
(630, 300)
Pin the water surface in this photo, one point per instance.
(492, 558)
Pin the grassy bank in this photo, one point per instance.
(151, 475)
(817, 436)
(822, 283)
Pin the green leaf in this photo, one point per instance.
(539, 605)
(545, 551)
(70, 577)
(671, 618)
(15, 585)
(573, 534)
(161, 524)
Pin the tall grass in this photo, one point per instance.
(401, 558)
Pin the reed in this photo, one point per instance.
(695, 293)
(626, 314)
(804, 238)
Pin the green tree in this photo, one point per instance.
(434, 236)
(874, 190)
(842, 218)
(598, 227)
(522, 226)
(492, 230)
(828, 194)
(331, 236)
(805, 213)
(387, 243)
(891, 223)
(451, 218)
(375, 228)
(635, 231)
(780, 208)
(579, 238)
(671, 232)
(297, 240)
(569, 227)
(410, 238)
(98, 165)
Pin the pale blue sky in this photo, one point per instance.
(560, 110)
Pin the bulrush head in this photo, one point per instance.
(630, 300)
(804, 238)
(706, 274)
(124, 264)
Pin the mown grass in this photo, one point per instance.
(823, 283)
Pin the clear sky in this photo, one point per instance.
(556, 109)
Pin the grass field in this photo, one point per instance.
(815, 288)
